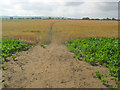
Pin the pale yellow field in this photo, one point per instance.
(72, 29)
(35, 31)
(27, 30)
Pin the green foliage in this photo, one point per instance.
(13, 56)
(113, 88)
(97, 50)
(11, 46)
(2, 61)
(3, 67)
(42, 45)
(118, 85)
(5, 85)
(98, 74)
(103, 79)
(116, 79)
(73, 56)
(16, 53)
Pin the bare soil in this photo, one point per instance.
(52, 67)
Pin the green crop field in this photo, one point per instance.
(103, 51)
(9, 47)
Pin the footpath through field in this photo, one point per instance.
(51, 67)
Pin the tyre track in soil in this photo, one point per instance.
(50, 32)
(51, 67)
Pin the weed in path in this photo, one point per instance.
(42, 45)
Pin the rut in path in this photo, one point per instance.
(50, 67)
(50, 33)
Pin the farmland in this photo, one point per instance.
(72, 29)
(32, 31)
(49, 56)
(63, 30)
(97, 50)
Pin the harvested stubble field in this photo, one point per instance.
(33, 31)
(54, 66)
(72, 29)
(63, 30)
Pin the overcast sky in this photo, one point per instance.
(60, 8)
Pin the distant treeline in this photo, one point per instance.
(87, 18)
(60, 18)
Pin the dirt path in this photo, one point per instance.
(51, 67)
(50, 33)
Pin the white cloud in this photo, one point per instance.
(66, 8)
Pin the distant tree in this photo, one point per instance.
(20, 18)
(92, 19)
(52, 18)
(108, 18)
(86, 18)
(113, 19)
(49, 18)
(97, 19)
(62, 17)
(103, 19)
(39, 18)
(11, 17)
(58, 18)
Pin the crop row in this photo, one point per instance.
(8, 47)
(103, 51)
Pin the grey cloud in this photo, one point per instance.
(97, 10)
(73, 3)
(107, 6)
(37, 6)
